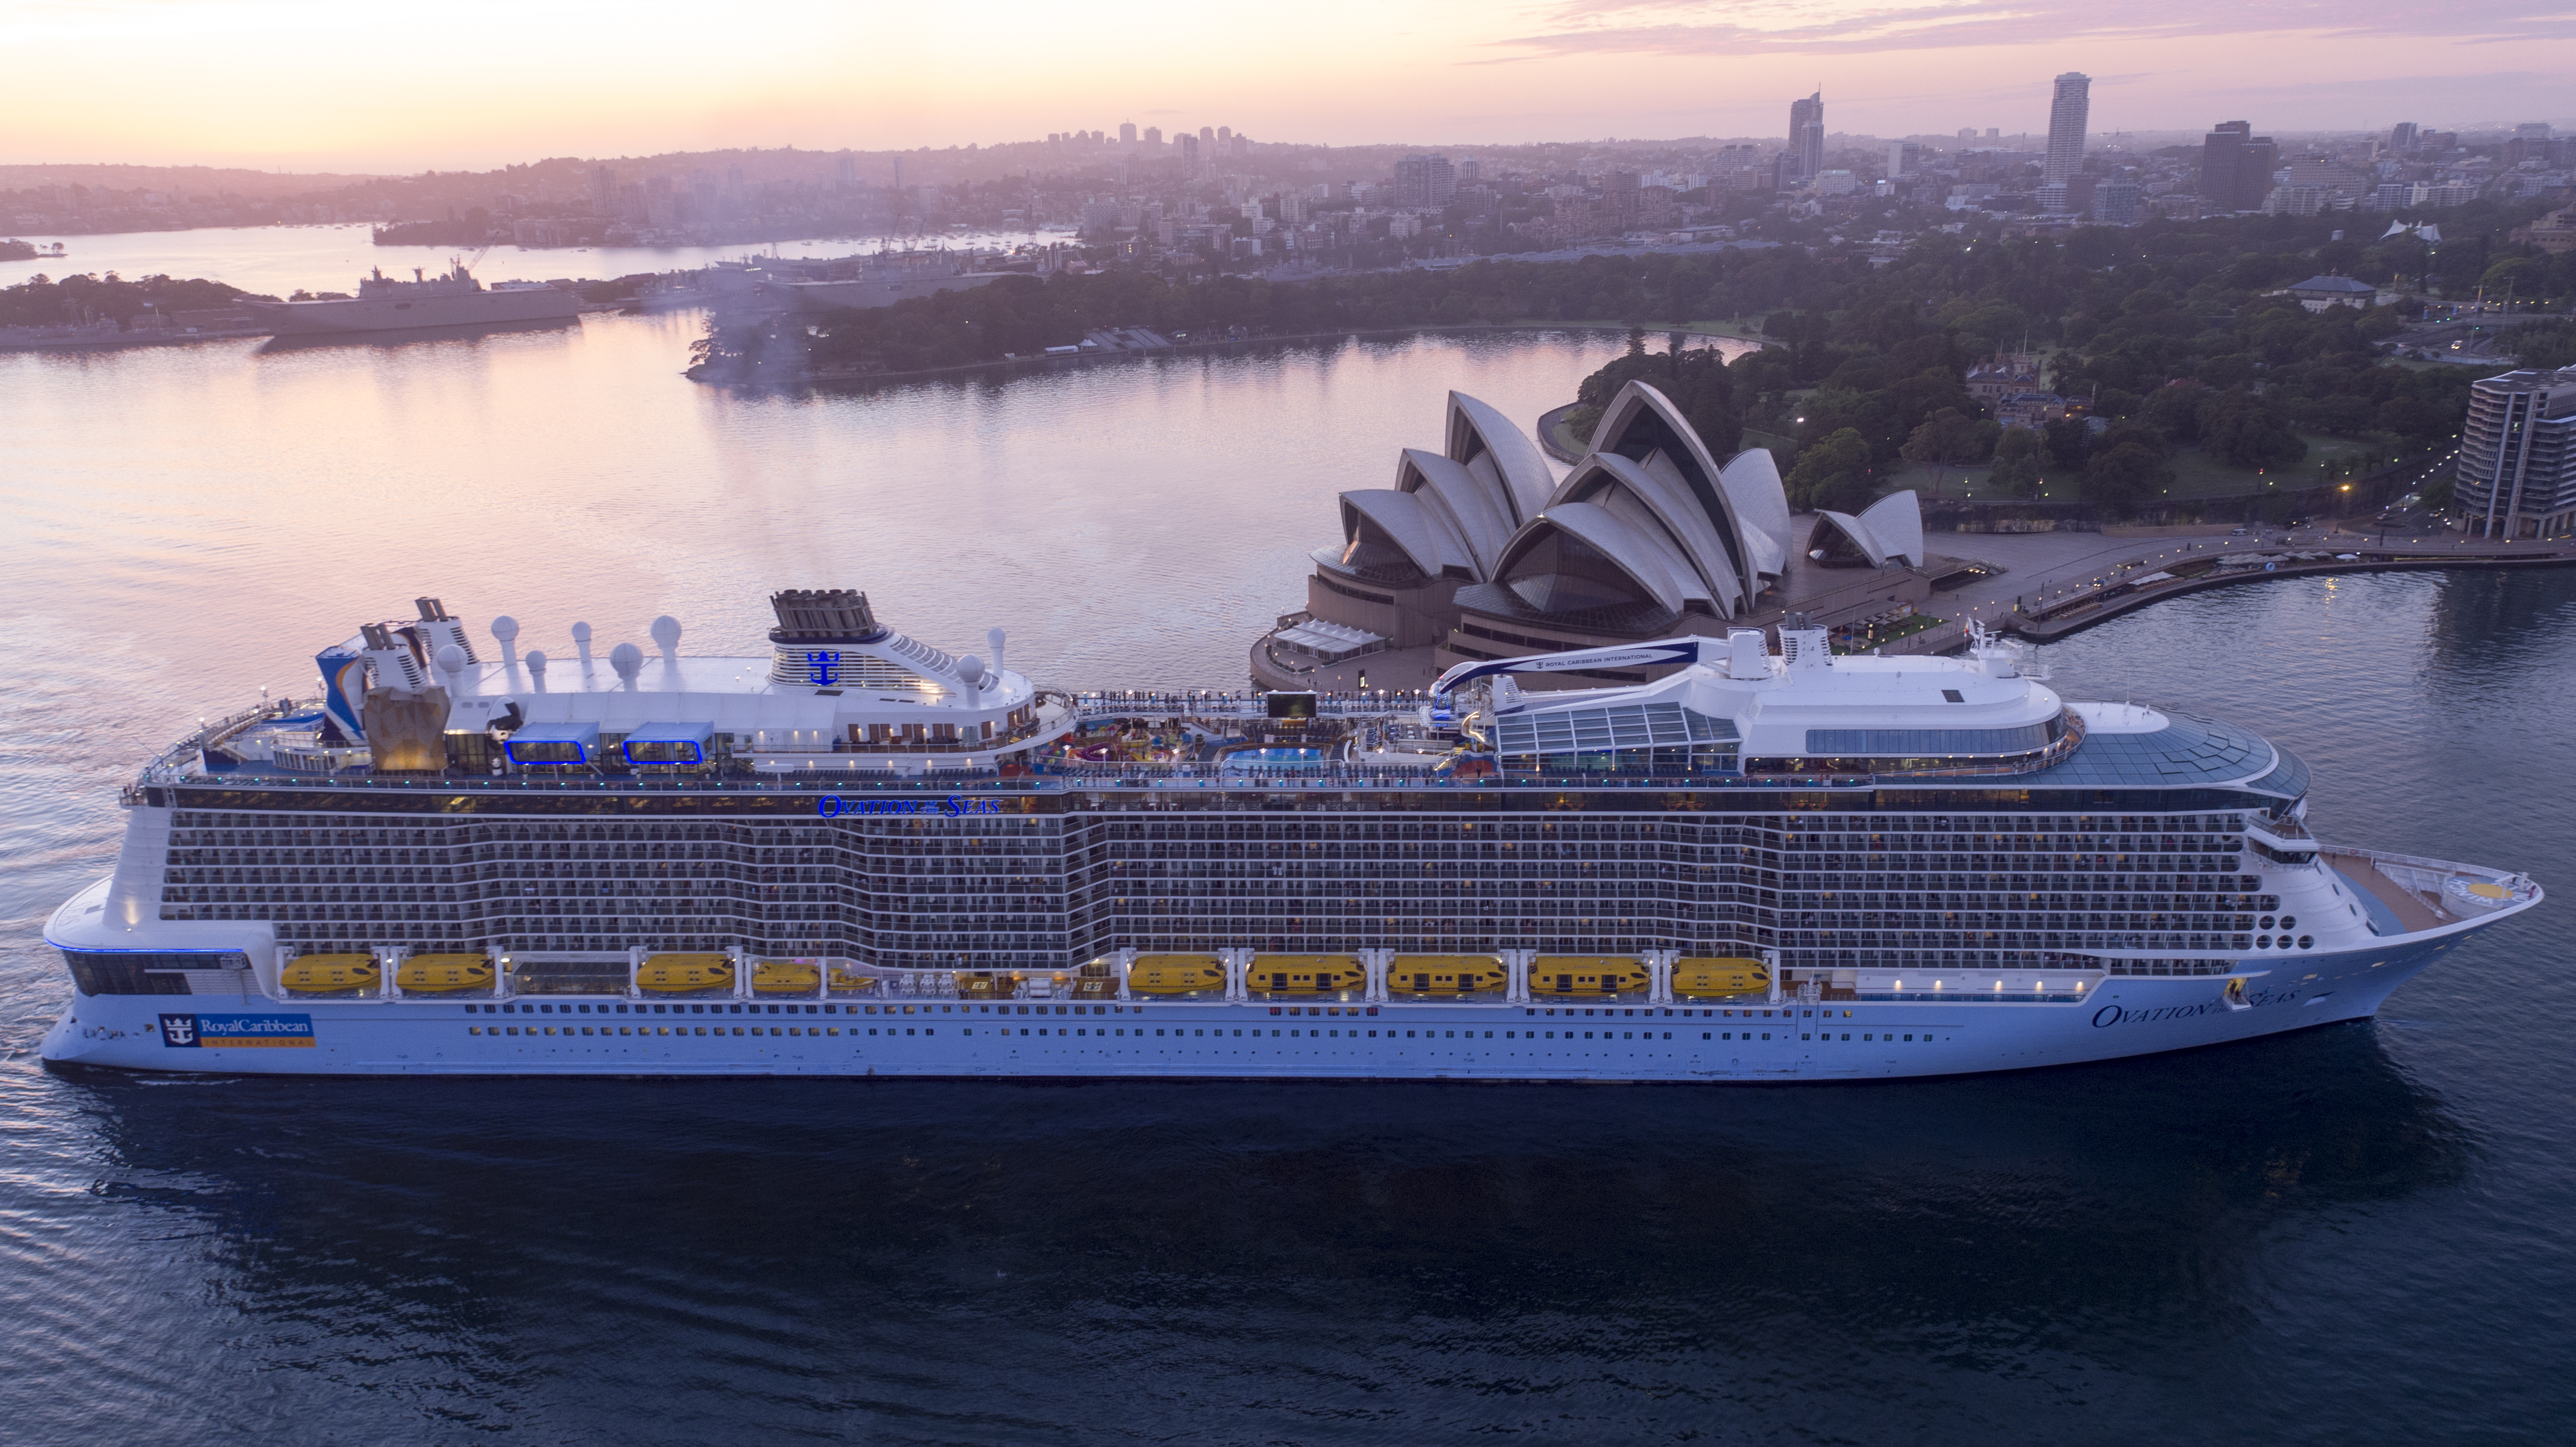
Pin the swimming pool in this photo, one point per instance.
(1272, 758)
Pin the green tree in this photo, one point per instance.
(2069, 440)
(1946, 437)
(2123, 475)
(1697, 381)
(2246, 431)
(2174, 410)
(2016, 470)
(1833, 474)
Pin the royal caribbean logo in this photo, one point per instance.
(955, 806)
(822, 669)
(194, 1032)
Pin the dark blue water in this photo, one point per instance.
(2358, 1233)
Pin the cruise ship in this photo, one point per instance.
(852, 852)
(388, 304)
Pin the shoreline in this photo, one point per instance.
(844, 377)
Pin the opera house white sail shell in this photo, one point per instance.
(1481, 550)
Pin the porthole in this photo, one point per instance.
(2266, 923)
(2307, 942)
(2289, 922)
(2262, 942)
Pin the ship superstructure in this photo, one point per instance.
(855, 853)
(384, 304)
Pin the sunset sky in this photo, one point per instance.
(310, 85)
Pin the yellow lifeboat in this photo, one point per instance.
(1585, 975)
(1710, 978)
(679, 974)
(330, 974)
(843, 979)
(438, 974)
(1175, 974)
(1304, 974)
(1445, 974)
(784, 977)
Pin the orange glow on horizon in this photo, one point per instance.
(300, 85)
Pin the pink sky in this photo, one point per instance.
(304, 84)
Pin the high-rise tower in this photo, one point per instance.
(1806, 137)
(2068, 111)
(2236, 166)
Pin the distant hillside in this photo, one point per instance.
(207, 180)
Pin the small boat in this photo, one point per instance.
(331, 974)
(1175, 974)
(1304, 974)
(1709, 978)
(786, 977)
(1584, 975)
(679, 974)
(439, 974)
(1445, 974)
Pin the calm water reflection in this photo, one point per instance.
(2350, 1234)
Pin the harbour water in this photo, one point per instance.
(275, 260)
(2352, 1234)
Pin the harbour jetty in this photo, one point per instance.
(2063, 606)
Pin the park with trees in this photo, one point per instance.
(2191, 372)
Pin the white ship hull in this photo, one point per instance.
(1683, 1042)
(2094, 882)
(482, 308)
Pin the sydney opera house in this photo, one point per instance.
(1482, 550)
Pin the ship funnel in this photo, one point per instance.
(537, 667)
(581, 641)
(1747, 656)
(439, 628)
(1803, 645)
(396, 666)
(505, 631)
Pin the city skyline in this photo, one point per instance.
(492, 86)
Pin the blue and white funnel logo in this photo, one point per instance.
(179, 1030)
(823, 669)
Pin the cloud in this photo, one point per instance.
(1702, 28)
